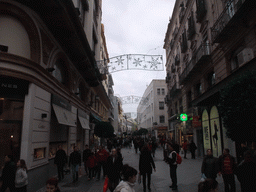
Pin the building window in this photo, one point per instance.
(211, 79)
(161, 105)
(163, 92)
(59, 72)
(162, 119)
(158, 91)
(198, 89)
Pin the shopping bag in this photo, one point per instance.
(139, 178)
(105, 187)
(203, 177)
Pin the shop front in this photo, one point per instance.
(83, 129)
(12, 95)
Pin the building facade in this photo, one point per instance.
(152, 111)
(51, 88)
(208, 43)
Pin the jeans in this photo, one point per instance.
(173, 174)
(74, 169)
(229, 180)
(91, 173)
(103, 165)
(148, 175)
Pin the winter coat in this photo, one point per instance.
(172, 158)
(75, 158)
(125, 186)
(192, 147)
(221, 163)
(102, 155)
(246, 175)
(60, 158)
(21, 178)
(91, 162)
(210, 167)
(86, 154)
(9, 172)
(113, 169)
(146, 162)
(185, 146)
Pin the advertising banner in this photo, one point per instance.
(206, 130)
(215, 132)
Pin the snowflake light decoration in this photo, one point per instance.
(119, 60)
(137, 62)
(154, 63)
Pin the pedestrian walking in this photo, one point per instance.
(246, 173)
(21, 177)
(8, 174)
(208, 185)
(193, 149)
(109, 145)
(171, 159)
(60, 161)
(136, 146)
(91, 163)
(129, 175)
(227, 166)
(52, 185)
(242, 151)
(86, 153)
(75, 163)
(185, 148)
(210, 165)
(154, 146)
(101, 156)
(114, 166)
(146, 163)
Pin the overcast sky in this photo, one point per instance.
(135, 27)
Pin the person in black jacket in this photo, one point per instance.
(113, 169)
(146, 163)
(60, 160)
(86, 154)
(246, 173)
(210, 165)
(192, 148)
(8, 174)
(171, 159)
(75, 162)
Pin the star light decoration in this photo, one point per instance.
(136, 61)
(134, 100)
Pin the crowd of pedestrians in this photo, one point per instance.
(121, 178)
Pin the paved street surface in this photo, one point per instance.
(189, 173)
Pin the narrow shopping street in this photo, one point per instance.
(188, 173)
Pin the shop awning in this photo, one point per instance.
(84, 122)
(95, 118)
(64, 116)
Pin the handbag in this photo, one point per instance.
(105, 187)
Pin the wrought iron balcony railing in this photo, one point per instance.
(228, 20)
(175, 90)
(202, 55)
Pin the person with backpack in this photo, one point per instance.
(172, 160)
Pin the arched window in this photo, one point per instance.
(59, 72)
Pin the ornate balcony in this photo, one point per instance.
(231, 19)
(201, 10)
(202, 55)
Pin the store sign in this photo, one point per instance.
(196, 122)
(183, 117)
(10, 86)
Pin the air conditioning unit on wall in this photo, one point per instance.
(245, 56)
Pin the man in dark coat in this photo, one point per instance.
(114, 167)
(227, 165)
(210, 165)
(60, 160)
(8, 174)
(246, 173)
(146, 163)
(86, 155)
(192, 148)
(171, 159)
(75, 162)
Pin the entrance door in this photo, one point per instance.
(10, 135)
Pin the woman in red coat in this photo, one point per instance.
(91, 164)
